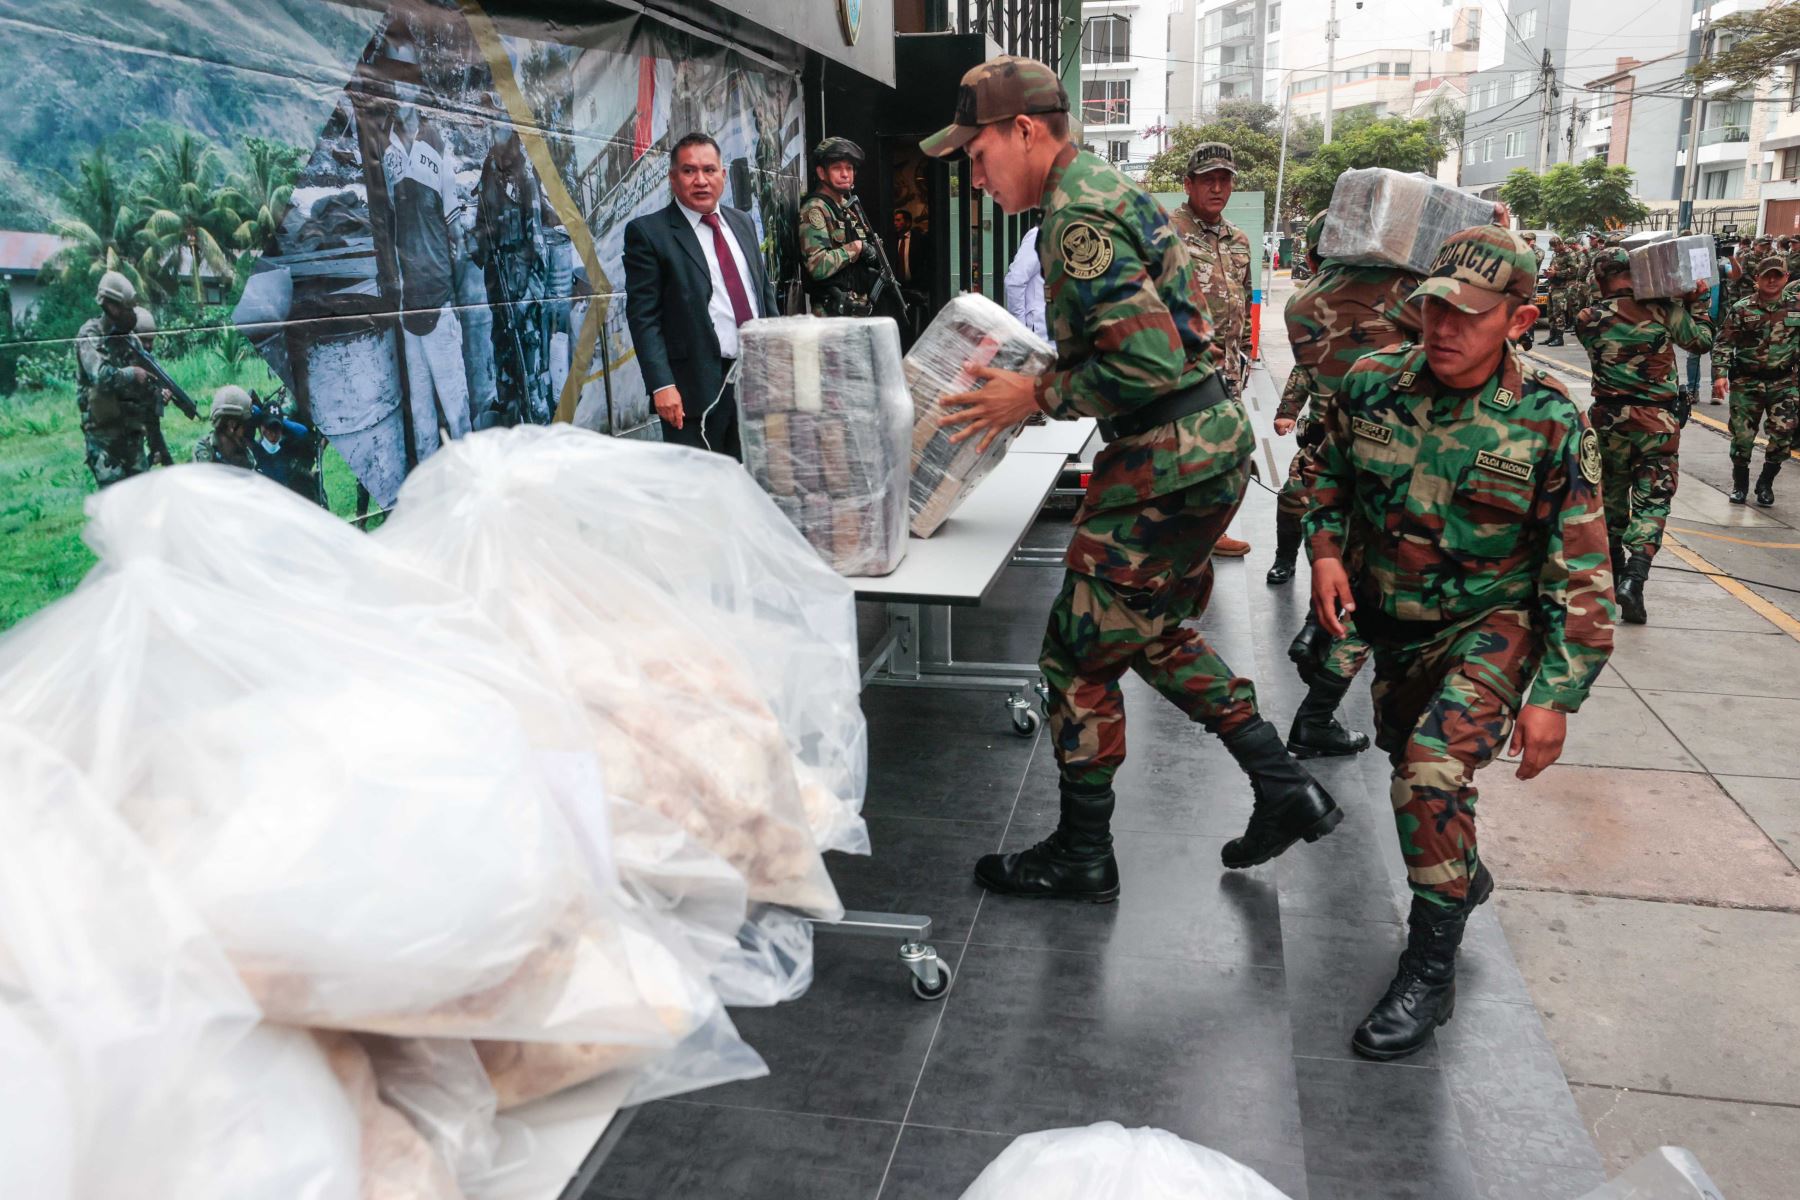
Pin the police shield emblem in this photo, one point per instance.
(1086, 252)
(850, 16)
(1590, 456)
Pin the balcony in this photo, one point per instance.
(1234, 72)
(1240, 33)
(1717, 135)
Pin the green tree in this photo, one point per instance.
(261, 191)
(98, 223)
(1522, 194)
(1255, 151)
(1585, 195)
(1396, 143)
(181, 200)
(1760, 40)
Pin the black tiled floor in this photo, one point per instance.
(1214, 1004)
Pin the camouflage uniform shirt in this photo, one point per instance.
(1632, 342)
(207, 450)
(1221, 256)
(109, 400)
(1343, 313)
(1759, 339)
(825, 233)
(1460, 504)
(1123, 307)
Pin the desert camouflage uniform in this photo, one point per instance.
(1758, 349)
(1122, 305)
(1568, 271)
(1343, 313)
(1221, 255)
(826, 230)
(116, 412)
(1631, 344)
(1471, 527)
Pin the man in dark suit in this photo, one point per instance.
(693, 274)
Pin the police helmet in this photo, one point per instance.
(837, 149)
(117, 288)
(230, 401)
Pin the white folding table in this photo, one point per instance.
(1067, 438)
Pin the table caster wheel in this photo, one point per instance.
(1043, 694)
(1025, 720)
(924, 992)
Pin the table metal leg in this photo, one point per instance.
(907, 656)
(930, 974)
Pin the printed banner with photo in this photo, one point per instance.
(390, 223)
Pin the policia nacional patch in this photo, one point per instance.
(1086, 252)
(1590, 456)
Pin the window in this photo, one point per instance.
(1117, 152)
(1515, 144)
(1105, 101)
(1402, 70)
(1526, 24)
(1487, 150)
(1722, 185)
(1168, 91)
(1106, 40)
(1521, 84)
(1274, 18)
(1790, 163)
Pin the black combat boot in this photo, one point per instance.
(1740, 482)
(1308, 649)
(1423, 993)
(1289, 804)
(1316, 732)
(1630, 589)
(1555, 338)
(1619, 559)
(1287, 548)
(1074, 863)
(1765, 483)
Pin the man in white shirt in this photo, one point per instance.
(694, 272)
(1025, 286)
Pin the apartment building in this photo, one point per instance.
(1221, 50)
(1125, 79)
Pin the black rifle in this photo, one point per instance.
(886, 278)
(177, 396)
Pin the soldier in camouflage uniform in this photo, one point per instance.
(1342, 314)
(837, 251)
(1631, 344)
(228, 443)
(1637, 414)
(1568, 266)
(117, 398)
(1134, 348)
(1456, 510)
(1221, 254)
(1756, 356)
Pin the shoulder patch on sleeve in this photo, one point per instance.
(1086, 250)
(1590, 456)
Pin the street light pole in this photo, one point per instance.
(1281, 168)
(1330, 63)
(1690, 179)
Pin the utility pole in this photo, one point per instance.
(1331, 36)
(1281, 167)
(1546, 110)
(1574, 110)
(1690, 177)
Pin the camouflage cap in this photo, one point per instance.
(1315, 228)
(1478, 268)
(230, 401)
(1772, 263)
(1210, 156)
(1530, 235)
(1613, 260)
(998, 90)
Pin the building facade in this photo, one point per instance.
(1125, 85)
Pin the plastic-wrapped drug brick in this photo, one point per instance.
(1673, 267)
(971, 331)
(1380, 217)
(825, 424)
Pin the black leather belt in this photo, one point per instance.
(1173, 407)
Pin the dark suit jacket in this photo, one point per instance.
(667, 287)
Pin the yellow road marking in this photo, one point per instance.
(1763, 608)
(1725, 537)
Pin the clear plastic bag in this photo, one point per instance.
(355, 797)
(1388, 218)
(696, 704)
(826, 426)
(398, 1162)
(770, 964)
(1109, 1162)
(1673, 266)
(438, 1084)
(969, 332)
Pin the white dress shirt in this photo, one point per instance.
(1025, 286)
(724, 321)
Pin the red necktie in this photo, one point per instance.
(734, 283)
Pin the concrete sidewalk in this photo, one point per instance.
(1648, 883)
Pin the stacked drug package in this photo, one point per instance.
(1380, 217)
(826, 421)
(1673, 266)
(971, 332)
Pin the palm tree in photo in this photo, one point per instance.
(98, 224)
(182, 207)
(261, 191)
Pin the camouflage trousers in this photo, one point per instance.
(1774, 405)
(1640, 467)
(1443, 710)
(1292, 498)
(1348, 653)
(1565, 302)
(114, 454)
(1134, 575)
